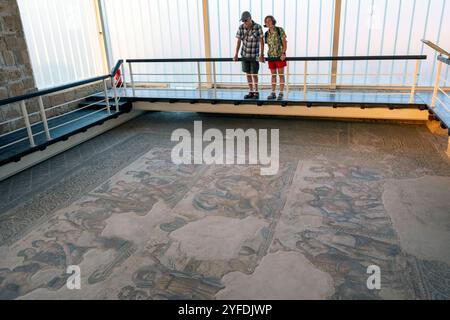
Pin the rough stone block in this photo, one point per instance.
(46, 101)
(2, 44)
(2, 115)
(32, 105)
(28, 68)
(69, 96)
(18, 57)
(5, 7)
(15, 88)
(11, 42)
(14, 125)
(57, 99)
(12, 75)
(21, 43)
(12, 111)
(26, 60)
(12, 23)
(3, 77)
(3, 93)
(4, 128)
(28, 84)
(8, 7)
(8, 56)
(72, 106)
(35, 118)
(51, 113)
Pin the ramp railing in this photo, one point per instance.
(114, 80)
(443, 58)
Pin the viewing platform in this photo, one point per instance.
(123, 92)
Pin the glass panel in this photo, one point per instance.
(157, 29)
(62, 39)
(391, 27)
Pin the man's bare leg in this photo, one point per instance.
(255, 82)
(250, 82)
(282, 79)
(274, 79)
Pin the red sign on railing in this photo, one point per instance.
(118, 78)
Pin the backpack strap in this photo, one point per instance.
(279, 35)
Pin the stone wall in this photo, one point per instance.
(16, 74)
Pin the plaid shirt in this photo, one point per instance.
(250, 40)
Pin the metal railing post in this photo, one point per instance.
(105, 89)
(116, 102)
(44, 118)
(287, 81)
(335, 41)
(123, 78)
(414, 83)
(214, 76)
(132, 78)
(305, 77)
(436, 84)
(23, 107)
(199, 77)
(206, 39)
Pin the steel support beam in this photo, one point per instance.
(336, 39)
(101, 34)
(207, 40)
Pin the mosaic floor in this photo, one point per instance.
(348, 195)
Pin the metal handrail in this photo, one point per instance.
(318, 58)
(212, 81)
(42, 111)
(120, 65)
(435, 47)
(441, 59)
(120, 62)
(44, 92)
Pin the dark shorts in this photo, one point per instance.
(250, 66)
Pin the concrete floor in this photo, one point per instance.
(347, 195)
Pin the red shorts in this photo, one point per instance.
(277, 64)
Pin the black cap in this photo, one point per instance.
(245, 15)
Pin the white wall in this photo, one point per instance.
(308, 26)
(156, 29)
(392, 27)
(62, 39)
(368, 27)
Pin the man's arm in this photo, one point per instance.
(283, 43)
(261, 43)
(238, 46)
(283, 53)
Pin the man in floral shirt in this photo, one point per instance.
(250, 35)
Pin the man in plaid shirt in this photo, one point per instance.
(251, 36)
